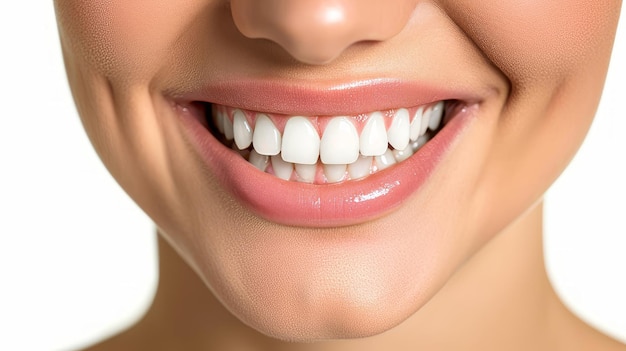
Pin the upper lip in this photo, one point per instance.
(315, 99)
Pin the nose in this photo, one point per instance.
(318, 31)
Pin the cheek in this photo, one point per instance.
(124, 40)
(536, 39)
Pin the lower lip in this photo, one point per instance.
(328, 205)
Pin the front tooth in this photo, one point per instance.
(360, 168)
(306, 173)
(416, 125)
(334, 173)
(281, 168)
(386, 160)
(435, 116)
(373, 141)
(258, 161)
(340, 142)
(398, 133)
(301, 142)
(266, 138)
(401, 155)
(242, 130)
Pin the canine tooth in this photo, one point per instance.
(281, 168)
(306, 173)
(241, 130)
(301, 142)
(334, 172)
(435, 117)
(340, 142)
(425, 120)
(266, 139)
(360, 168)
(228, 127)
(373, 141)
(401, 155)
(386, 160)
(416, 124)
(398, 133)
(258, 161)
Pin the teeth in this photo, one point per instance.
(416, 125)
(386, 160)
(281, 168)
(360, 168)
(334, 173)
(306, 173)
(401, 155)
(218, 119)
(373, 141)
(295, 153)
(301, 142)
(425, 121)
(435, 117)
(266, 138)
(398, 133)
(228, 127)
(340, 142)
(241, 130)
(258, 161)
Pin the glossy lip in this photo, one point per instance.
(326, 205)
(319, 99)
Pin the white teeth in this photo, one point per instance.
(416, 145)
(386, 160)
(373, 141)
(241, 130)
(401, 155)
(228, 127)
(281, 168)
(398, 133)
(416, 125)
(360, 168)
(425, 121)
(301, 142)
(266, 138)
(306, 173)
(218, 119)
(258, 161)
(340, 142)
(334, 173)
(435, 117)
(296, 153)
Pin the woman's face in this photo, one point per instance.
(345, 247)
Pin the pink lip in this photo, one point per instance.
(308, 205)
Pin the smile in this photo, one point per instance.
(323, 169)
(322, 150)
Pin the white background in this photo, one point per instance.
(77, 258)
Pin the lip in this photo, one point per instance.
(326, 205)
(321, 99)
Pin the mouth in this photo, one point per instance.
(324, 170)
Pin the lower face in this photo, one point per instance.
(330, 232)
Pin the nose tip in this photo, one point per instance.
(318, 31)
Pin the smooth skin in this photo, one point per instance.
(476, 225)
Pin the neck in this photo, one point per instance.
(500, 299)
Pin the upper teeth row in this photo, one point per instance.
(340, 143)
